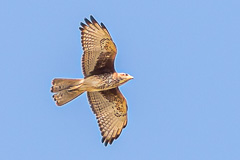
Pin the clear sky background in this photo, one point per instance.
(184, 103)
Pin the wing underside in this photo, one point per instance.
(110, 108)
(99, 49)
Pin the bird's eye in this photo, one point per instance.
(126, 74)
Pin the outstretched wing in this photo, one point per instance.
(99, 49)
(110, 108)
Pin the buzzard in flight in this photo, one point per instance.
(100, 81)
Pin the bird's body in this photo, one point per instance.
(101, 81)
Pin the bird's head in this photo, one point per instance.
(124, 77)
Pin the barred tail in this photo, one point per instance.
(66, 90)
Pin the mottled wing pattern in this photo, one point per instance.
(99, 49)
(110, 108)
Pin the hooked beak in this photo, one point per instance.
(130, 77)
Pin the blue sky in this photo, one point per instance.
(183, 102)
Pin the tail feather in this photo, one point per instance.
(60, 84)
(66, 90)
(65, 96)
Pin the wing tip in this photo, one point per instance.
(81, 29)
(108, 141)
(92, 18)
(111, 141)
(103, 139)
(94, 21)
(103, 26)
(83, 24)
(87, 21)
(52, 89)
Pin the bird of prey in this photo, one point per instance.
(100, 81)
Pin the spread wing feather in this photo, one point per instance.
(110, 108)
(99, 49)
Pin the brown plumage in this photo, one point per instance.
(100, 81)
(99, 49)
